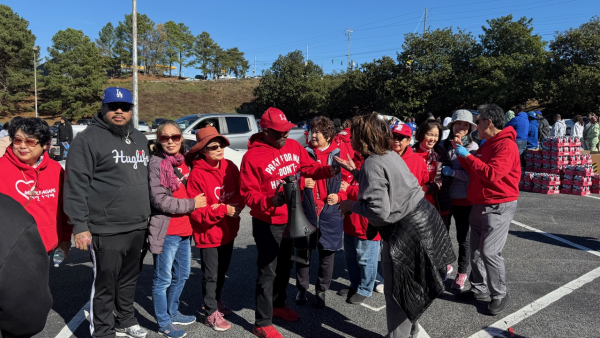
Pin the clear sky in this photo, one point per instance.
(265, 29)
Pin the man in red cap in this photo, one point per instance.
(270, 158)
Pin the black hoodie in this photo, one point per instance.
(25, 298)
(106, 182)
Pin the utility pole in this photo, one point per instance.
(254, 71)
(349, 33)
(425, 21)
(134, 66)
(35, 50)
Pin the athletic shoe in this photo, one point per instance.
(134, 331)
(459, 281)
(286, 314)
(449, 270)
(356, 299)
(172, 331)
(470, 295)
(217, 322)
(266, 332)
(346, 292)
(226, 311)
(180, 319)
(498, 305)
(379, 288)
(301, 297)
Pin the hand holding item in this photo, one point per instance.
(456, 142)
(462, 151)
(200, 201)
(309, 183)
(83, 240)
(65, 246)
(345, 207)
(344, 186)
(447, 171)
(347, 165)
(333, 199)
(277, 200)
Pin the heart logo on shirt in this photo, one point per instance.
(217, 192)
(24, 193)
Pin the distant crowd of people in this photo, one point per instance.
(366, 186)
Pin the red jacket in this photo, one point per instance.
(213, 228)
(46, 206)
(343, 137)
(264, 166)
(495, 170)
(417, 165)
(354, 224)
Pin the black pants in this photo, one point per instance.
(62, 150)
(461, 219)
(117, 263)
(326, 259)
(274, 267)
(215, 263)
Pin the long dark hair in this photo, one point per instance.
(579, 119)
(156, 147)
(425, 127)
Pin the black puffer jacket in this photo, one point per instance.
(419, 248)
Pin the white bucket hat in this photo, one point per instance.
(462, 115)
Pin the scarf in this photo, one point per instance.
(168, 179)
(430, 156)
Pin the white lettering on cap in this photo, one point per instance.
(119, 94)
(282, 117)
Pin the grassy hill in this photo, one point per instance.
(162, 97)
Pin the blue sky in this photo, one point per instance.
(266, 29)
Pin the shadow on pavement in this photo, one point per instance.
(588, 242)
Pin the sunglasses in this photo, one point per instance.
(165, 138)
(28, 142)
(114, 106)
(216, 146)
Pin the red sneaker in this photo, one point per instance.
(266, 332)
(286, 314)
(217, 322)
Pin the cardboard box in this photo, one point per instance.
(596, 161)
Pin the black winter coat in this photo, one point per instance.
(419, 248)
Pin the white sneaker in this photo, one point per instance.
(379, 288)
(134, 331)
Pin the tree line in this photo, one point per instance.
(446, 69)
(77, 69)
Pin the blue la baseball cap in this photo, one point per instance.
(116, 94)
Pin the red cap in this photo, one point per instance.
(402, 129)
(275, 119)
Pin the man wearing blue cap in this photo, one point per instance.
(106, 197)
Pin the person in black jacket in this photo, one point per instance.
(544, 126)
(64, 136)
(107, 199)
(25, 298)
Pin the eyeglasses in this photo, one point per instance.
(28, 142)
(215, 147)
(165, 138)
(400, 138)
(432, 135)
(124, 106)
(280, 133)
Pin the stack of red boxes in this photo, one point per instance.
(559, 167)
(595, 188)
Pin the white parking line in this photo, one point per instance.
(376, 309)
(72, 326)
(501, 326)
(598, 198)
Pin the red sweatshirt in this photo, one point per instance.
(495, 170)
(212, 227)
(46, 205)
(417, 165)
(264, 166)
(354, 224)
(343, 137)
(320, 189)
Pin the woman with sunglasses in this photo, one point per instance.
(436, 187)
(402, 133)
(216, 225)
(170, 227)
(35, 181)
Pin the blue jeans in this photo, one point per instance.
(171, 270)
(362, 256)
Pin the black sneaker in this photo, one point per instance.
(356, 299)
(346, 292)
(301, 297)
(498, 305)
(470, 295)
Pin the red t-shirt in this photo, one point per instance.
(180, 225)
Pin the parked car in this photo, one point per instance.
(157, 121)
(86, 122)
(237, 127)
(54, 131)
(226, 77)
(143, 127)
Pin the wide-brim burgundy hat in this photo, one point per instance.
(204, 136)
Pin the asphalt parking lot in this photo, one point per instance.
(553, 283)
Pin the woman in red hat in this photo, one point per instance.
(217, 224)
(402, 135)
